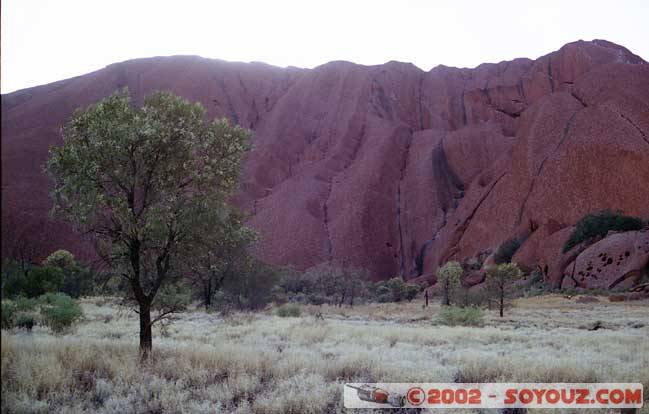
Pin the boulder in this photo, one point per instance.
(618, 261)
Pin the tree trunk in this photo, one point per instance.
(146, 341)
(426, 296)
(502, 303)
(447, 296)
(208, 294)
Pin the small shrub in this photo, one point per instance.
(458, 315)
(410, 291)
(315, 299)
(288, 310)
(59, 311)
(24, 304)
(25, 320)
(395, 290)
(9, 309)
(599, 224)
(473, 297)
(43, 279)
(536, 284)
(507, 250)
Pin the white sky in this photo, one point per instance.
(45, 40)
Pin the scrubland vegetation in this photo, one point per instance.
(265, 362)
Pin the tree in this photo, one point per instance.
(148, 183)
(77, 280)
(351, 284)
(62, 259)
(448, 279)
(221, 258)
(499, 281)
(252, 286)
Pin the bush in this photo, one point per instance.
(410, 291)
(473, 297)
(251, 288)
(507, 250)
(9, 309)
(599, 224)
(395, 290)
(288, 310)
(536, 284)
(59, 311)
(461, 315)
(17, 312)
(43, 279)
(24, 304)
(25, 320)
(13, 278)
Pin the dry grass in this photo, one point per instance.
(262, 363)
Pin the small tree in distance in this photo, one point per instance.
(226, 255)
(448, 279)
(149, 184)
(499, 281)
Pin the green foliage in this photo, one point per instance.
(59, 272)
(536, 285)
(598, 225)
(251, 287)
(448, 279)
(503, 275)
(62, 259)
(25, 320)
(288, 310)
(410, 291)
(325, 283)
(506, 251)
(24, 304)
(461, 315)
(226, 255)
(59, 311)
(172, 298)
(150, 183)
(9, 310)
(19, 313)
(43, 279)
(499, 281)
(77, 280)
(395, 290)
(473, 296)
(13, 278)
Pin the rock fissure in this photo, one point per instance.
(642, 134)
(404, 164)
(566, 129)
(461, 229)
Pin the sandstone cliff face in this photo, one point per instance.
(385, 167)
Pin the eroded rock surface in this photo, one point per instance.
(385, 167)
(617, 261)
